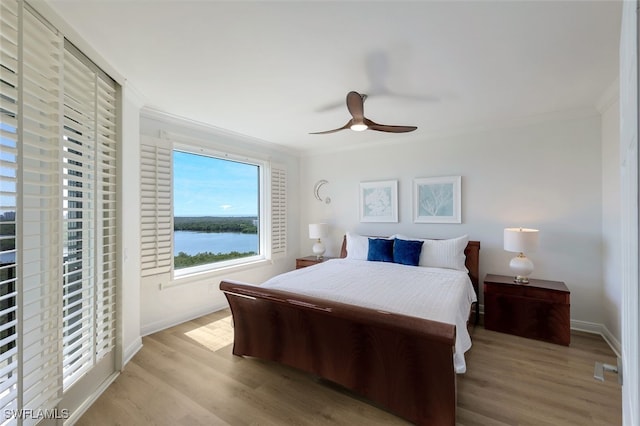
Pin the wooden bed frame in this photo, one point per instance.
(402, 363)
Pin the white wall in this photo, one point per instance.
(162, 303)
(545, 176)
(130, 256)
(611, 218)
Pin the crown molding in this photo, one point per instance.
(154, 113)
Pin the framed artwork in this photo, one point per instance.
(379, 201)
(437, 200)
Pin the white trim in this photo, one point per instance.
(88, 402)
(179, 319)
(600, 329)
(586, 326)
(630, 220)
(190, 124)
(131, 351)
(201, 146)
(198, 277)
(613, 342)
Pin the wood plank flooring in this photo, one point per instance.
(186, 375)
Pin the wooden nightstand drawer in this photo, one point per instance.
(303, 262)
(545, 294)
(537, 310)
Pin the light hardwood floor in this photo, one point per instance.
(186, 375)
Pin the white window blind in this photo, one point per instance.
(57, 214)
(278, 211)
(31, 70)
(89, 215)
(156, 211)
(8, 204)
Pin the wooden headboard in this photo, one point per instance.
(472, 261)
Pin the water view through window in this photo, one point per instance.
(215, 209)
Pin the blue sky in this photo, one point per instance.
(207, 186)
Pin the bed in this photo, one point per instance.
(400, 361)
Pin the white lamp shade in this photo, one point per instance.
(318, 230)
(520, 240)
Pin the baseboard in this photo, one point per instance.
(88, 402)
(156, 326)
(602, 330)
(587, 327)
(615, 345)
(131, 350)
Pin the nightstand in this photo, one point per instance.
(303, 262)
(538, 310)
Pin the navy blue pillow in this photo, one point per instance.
(406, 252)
(380, 250)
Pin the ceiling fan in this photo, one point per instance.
(355, 105)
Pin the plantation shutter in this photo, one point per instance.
(156, 212)
(30, 316)
(57, 216)
(107, 249)
(89, 215)
(278, 211)
(8, 203)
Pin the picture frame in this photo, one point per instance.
(379, 201)
(437, 199)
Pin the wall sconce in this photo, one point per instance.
(316, 191)
(521, 240)
(318, 231)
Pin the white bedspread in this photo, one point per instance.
(443, 295)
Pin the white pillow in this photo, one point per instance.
(447, 254)
(357, 247)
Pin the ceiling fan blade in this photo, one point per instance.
(389, 129)
(355, 105)
(346, 126)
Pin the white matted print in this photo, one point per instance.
(437, 200)
(379, 201)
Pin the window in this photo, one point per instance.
(216, 210)
(203, 210)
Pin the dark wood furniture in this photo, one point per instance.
(403, 363)
(303, 262)
(537, 310)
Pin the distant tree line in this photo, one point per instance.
(7, 230)
(184, 260)
(243, 225)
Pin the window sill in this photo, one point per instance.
(213, 273)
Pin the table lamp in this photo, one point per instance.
(521, 241)
(317, 231)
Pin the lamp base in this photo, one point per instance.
(521, 268)
(318, 249)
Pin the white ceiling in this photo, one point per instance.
(279, 70)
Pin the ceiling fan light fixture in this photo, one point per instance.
(359, 127)
(359, 123)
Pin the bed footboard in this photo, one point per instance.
(402, 363)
